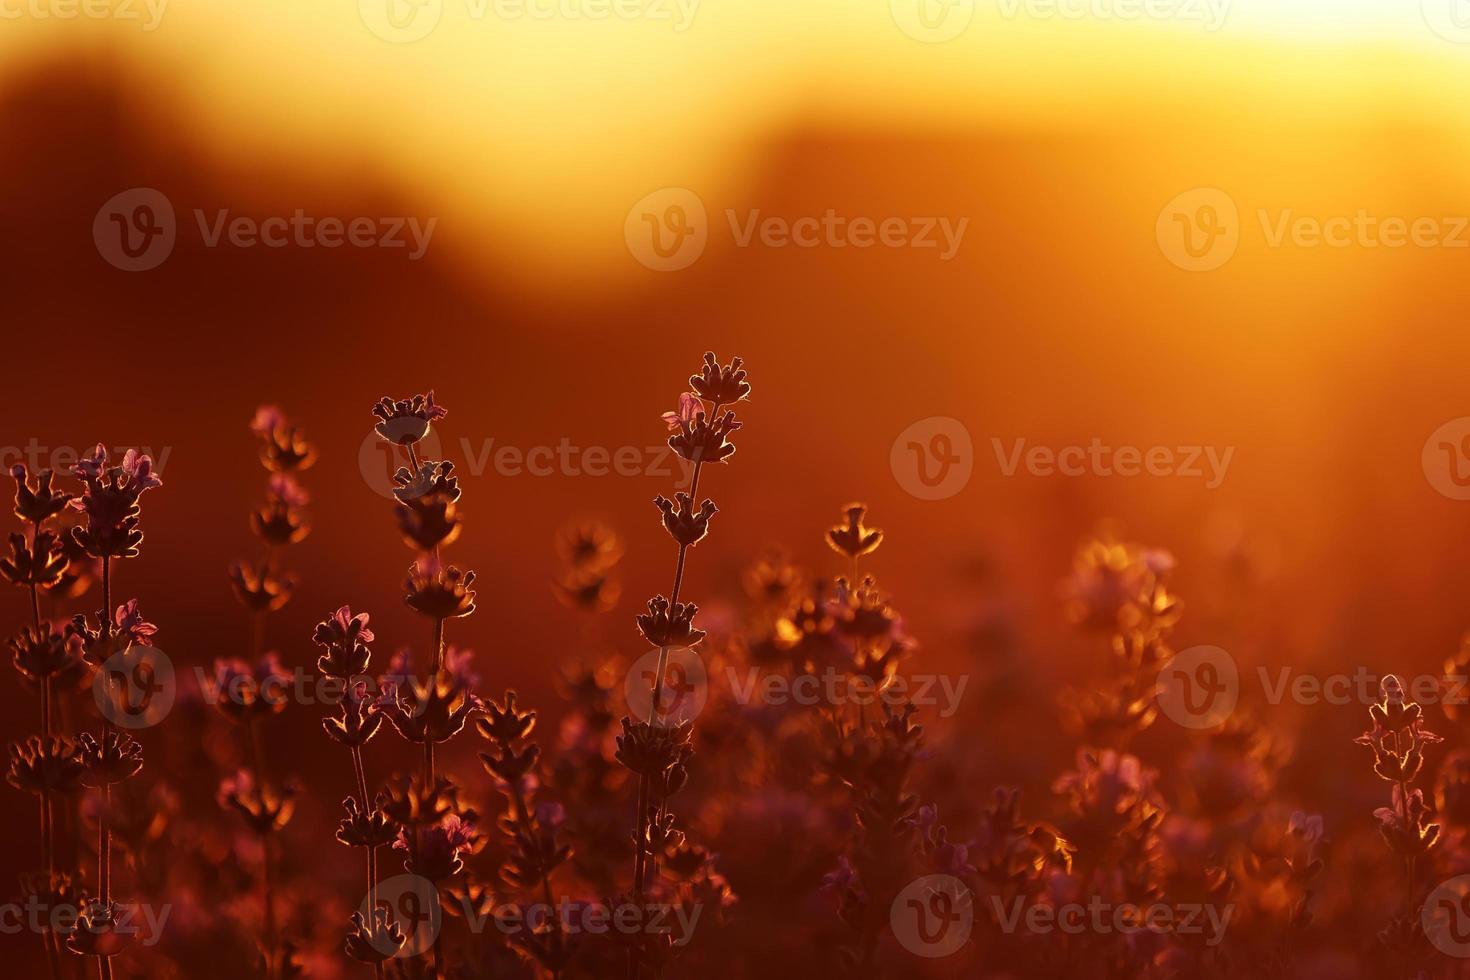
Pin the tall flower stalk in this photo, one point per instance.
(40, 655)
(261, 589)
(658, 750)
(426, 498)
(1398, 738)
(344, 638)
(110, 531)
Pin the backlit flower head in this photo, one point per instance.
(38, 500)
(689, 406)
(721, 385)
(39, 562)
(110, 759)
(366, 828)
(669, 625)
(703, 440)
(345, 638)
(45, 652)
(41, 764)
(440, 591)
(685, 525)
(407, 421)
(110, 502)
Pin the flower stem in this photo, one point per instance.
(438, 645)
(523, 817)
(253, 742)
(104, 835)
(644, 862)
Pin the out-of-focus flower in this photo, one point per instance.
(433, 852)
(587, 589)
(1452, 790)
(243, 692)
(853, 538)
(1405, 825)
(1115, 584)
(111, 759)
(283, 446)
(407, 421)
(103, 929)
(280, 521)
(82, 569)
(42, 764)
(409, 800)
(589, 545)
(260, 589)
(45, 652)
(773, 582)
(264, 810)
